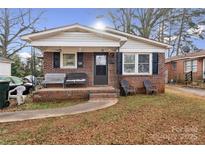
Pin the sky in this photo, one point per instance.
(59, 17)
(52, 18)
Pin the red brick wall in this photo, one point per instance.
(157, 80)
(88, 68)
(179, 74)
(134, 80)
(44, 96)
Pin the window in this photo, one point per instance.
(129, 63)
(191, 65)
(194, 65)
(143, 63)
(68, 60)
(135, 63)
(101, 60)
(174, 65)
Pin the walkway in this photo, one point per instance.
(45, 113)
(194, 91)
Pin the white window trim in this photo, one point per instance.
(136, 64)
(61, 60)
(185, 70)
(123, 63)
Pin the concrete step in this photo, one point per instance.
(105, 91)
(103, 95)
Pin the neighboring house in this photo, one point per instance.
(178, 66)
(5, 66)
(107, 56)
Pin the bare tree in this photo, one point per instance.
(13, 23)
(137, 21)
(149, 19)
(123, 19)
(177, 27)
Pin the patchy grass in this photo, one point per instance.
(170, 118)
(46, 105)
(42, 105)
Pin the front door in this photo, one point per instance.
(100, 69)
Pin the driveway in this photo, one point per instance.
(194, 91)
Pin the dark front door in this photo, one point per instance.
(100, 69)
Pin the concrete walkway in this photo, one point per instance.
(45, 113)
(194, 91)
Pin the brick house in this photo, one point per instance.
(106, 56)
(178, 66)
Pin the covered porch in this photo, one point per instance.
(98, 63)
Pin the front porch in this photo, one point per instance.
(57, 94)
(97, 63)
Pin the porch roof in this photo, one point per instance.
(77, 35)
(74, 36)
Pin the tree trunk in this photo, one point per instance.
(180, 31)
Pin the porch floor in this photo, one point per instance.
(94, 88)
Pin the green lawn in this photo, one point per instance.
(170, 118)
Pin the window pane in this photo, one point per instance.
(143, 63)
(143, 68)
(188, 63)
(188, 69)
(68, 59)
(174, 65)
(194, 69)
(129, 58)
(101, 60)
(143, 58)
(194, 62)
(129, 68)
(194, 66)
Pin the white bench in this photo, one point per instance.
(54, 78)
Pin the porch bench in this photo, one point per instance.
(54, 78)
(76, 79)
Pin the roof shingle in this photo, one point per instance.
(191, 55)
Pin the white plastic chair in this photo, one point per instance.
(19, 96)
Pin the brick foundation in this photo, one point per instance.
(58, 94)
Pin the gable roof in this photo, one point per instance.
(140, 38)
(4, 60)
(108, 32)
(28, 37)
(191, 55)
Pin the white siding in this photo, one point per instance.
(139, 46)
(75, 39)
(5, 69)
